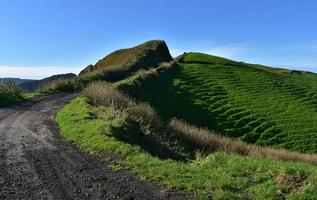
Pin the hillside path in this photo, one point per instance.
(36, 163)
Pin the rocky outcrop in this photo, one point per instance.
(148, 54)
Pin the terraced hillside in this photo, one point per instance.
(258, 104)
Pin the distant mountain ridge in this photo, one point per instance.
(14, 80)
(31, 86)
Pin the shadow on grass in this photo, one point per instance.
(171, 100)
(132, 134)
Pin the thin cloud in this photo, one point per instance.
(35, 72)
(311, 46)
(228, 51)
(304, 65)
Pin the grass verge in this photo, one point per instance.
(217, 175)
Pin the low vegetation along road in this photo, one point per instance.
(35, 163)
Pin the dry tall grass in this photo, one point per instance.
(145, 115)
(210, 141)
(103, 94)
(144, 77)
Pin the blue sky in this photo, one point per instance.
(39, 38)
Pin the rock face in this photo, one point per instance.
(148, 54)
(32, 86)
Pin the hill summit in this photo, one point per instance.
(148, 54)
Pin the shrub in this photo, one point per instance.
(10, 93)
(103, 94)
(59, 85)
(147, 118)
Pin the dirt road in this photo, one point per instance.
(36, 163)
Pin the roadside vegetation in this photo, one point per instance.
(10, 93)
(148, 148)
(179, 133)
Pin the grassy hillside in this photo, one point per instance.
(258, 104)
(116, 66)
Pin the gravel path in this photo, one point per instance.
(36, 163)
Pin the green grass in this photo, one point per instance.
(31, 95)
(207, 59)
(218, 175)
(257, 104)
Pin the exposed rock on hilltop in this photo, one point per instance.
(148, 54)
